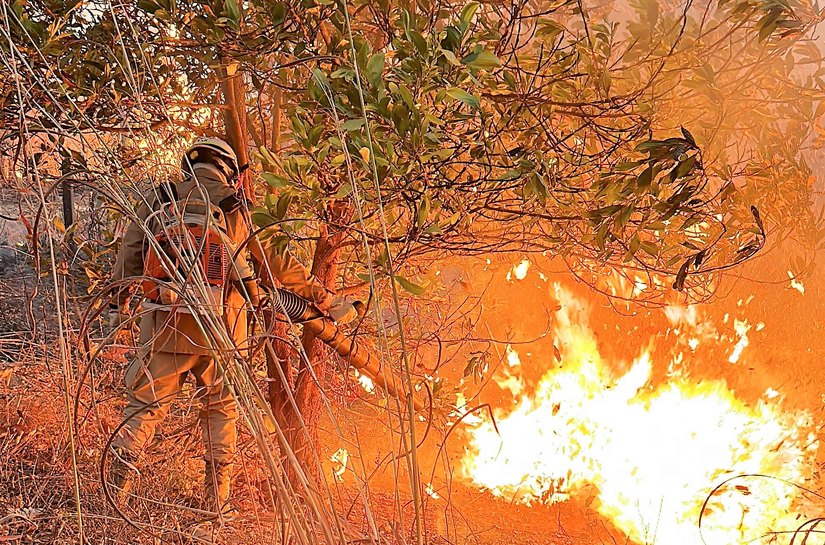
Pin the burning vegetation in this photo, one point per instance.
(644, 453)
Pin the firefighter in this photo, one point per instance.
(172, 341)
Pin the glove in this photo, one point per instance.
(254, 294)
(341, 311)
(116, 319)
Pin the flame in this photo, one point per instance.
(741, 327)
(510, 382)
(366, 382)
(460, 411)
(639, 285)
(513, 359)
(519, 270)
(339, 461)
(647, 455)
(796, 284)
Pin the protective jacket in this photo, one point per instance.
(174, 331)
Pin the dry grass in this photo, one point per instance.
(36, 487)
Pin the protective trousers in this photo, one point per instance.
(153, 381)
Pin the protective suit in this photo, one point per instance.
(173, 345)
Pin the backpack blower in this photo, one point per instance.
(358, 354)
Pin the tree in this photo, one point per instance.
(472, 125)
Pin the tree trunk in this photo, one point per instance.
(308, 393)
(281, 381)
(234, 118)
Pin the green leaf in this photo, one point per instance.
(450, 56)
(482, 60)
(631, 251)
(423, 210)
(352, 125)
(649, 145)
(343, 191)
(549, 29)
(624, 167)
(283, 206)
(645, 178)
(510, 175)
(684, 168)
(314, 135)
(149, 6)
(411, 287)
(467, 13)
(624, 216)
(344, 73)
(768, 24)
(375, 67)
(536, 186)
(649, 247)
(452, 38)
(510, 80)
(405, 93)
(465, 97)
(279, 243)
(274, 180)
(262, 218)
(232, 11)
(688, 136)
(419, 42)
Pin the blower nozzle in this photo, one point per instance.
(358, 354)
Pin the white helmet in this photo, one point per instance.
(216, 146)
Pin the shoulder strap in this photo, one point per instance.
(230, 204)
(167, 192)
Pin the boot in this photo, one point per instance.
(216, 484)
(121, 474)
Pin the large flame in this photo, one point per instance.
(648, 456)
